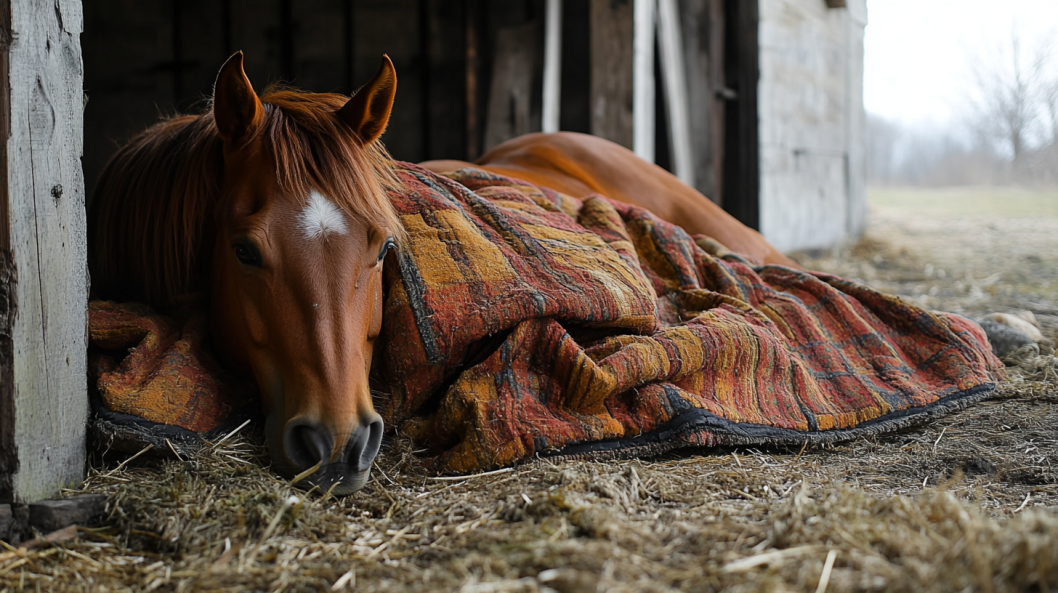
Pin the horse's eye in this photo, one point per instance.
(247, 254)
(389, 244)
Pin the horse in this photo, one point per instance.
(276, 206)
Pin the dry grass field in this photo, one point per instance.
(966, 503)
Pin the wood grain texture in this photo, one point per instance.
(198, 47)
(611, 70)
(674, 78)
(8, 284)
(702, 24)
(46, 226)
(444, 102)
(320, 46)
(8, 281)
(125, 47)
(392, 27)
(256, 30)
(742, 146)
(515, 60)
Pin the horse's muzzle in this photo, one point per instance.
(307, 444)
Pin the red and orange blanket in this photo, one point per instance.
(521, 322)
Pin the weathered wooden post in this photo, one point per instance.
(43, 272)
(674, 75)
(611, 70)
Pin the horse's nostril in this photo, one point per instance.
(307, 444)
(364, 445)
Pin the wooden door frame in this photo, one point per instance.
(43, 251)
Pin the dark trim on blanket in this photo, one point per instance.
(125, 433)
(674, 434)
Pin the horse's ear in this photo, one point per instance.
(368, 111)
(236, 108)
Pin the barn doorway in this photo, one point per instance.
(459, 65)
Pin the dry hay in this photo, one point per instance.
(746, 520)
(965, 503)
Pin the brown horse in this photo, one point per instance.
(277, 206)
(580, 165)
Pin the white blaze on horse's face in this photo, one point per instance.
(321, 218)
(296, 279)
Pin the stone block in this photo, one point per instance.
(7, 519)
(51, 515)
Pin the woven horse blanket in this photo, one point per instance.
(520, 322)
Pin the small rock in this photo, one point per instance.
(1018, 322)
(1003, 338)
(569, 580)
(51, 515)
(14, 522)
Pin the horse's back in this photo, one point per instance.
(580, 165)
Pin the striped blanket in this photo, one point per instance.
(521, 322)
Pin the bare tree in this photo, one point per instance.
(1013, 125)
(1049, 154)
(1016, 101)
(1050, 106)
(882, 139)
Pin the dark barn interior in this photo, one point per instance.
(470, 72)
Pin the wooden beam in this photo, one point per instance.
(129, 79)
(198, 38)
(673, 74)
(643, 79)
(702, 27)
(611, 96)
(8, 282)
(8, 286)
(443, 54)
(256, 30)
(473, 67)
(318, 53)
(514, 61)
(552, 65)
(741, 131)
(717, 94)
(43, 272)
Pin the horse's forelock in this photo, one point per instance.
(314, 150)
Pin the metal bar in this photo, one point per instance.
(643, 79)
(673, 75)
(552, 65)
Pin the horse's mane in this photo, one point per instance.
(150, 219)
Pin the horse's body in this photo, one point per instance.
(278, 208)
(579, 165)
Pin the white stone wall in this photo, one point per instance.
(811, 122)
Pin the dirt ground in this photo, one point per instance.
(969, 502)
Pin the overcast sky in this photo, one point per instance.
(917, 52)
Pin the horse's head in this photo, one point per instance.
(302, 228)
